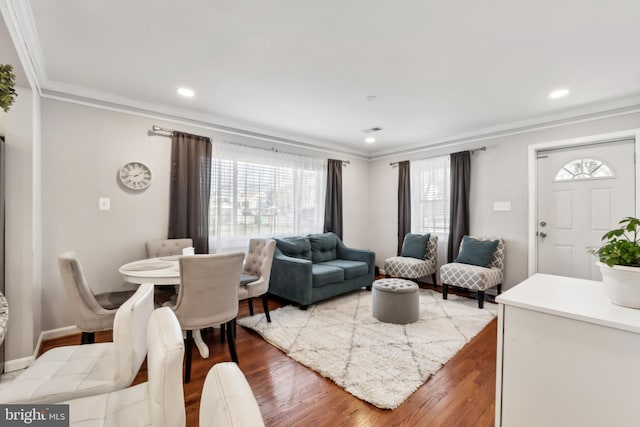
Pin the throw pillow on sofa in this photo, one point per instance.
(415, 245)
(323, 247)
(299, 247)
(477, 252)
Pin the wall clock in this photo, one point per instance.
(135, 175)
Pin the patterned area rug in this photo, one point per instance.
(380, 363)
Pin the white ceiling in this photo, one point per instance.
(440, 69)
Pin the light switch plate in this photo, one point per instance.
(501, 206)
(104, 203)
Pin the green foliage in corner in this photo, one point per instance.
(7, 87)
(622, 245)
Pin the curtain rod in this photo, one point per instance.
(433, 157)
(155, 128)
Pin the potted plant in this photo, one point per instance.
(620, 263)
(7, 86)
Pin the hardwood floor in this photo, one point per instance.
(462, 393)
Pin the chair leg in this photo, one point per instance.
(434, 279)
(445, 290)
(187, 349)
(88, 338)
(265, 306)
(480, 299)
(231, 340)
(499, 288)
(250, 302)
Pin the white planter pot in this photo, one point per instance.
(622, 284)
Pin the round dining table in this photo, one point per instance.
(161, 271)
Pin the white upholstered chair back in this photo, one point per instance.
(88, 315)
(164, 367)
(258, 263)
(208, 293)
(167, 247)
(227, 399)
(130, 333)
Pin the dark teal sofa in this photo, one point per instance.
(308, 269)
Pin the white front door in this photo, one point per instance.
(582, 193)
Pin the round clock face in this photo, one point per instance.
(135, 175)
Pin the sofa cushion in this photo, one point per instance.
(323, 275)
(415, 245)
(477, 252)
(352, 269)
(295, 247)
(323, 247)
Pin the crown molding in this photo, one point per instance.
(596, 111)
(19, 21)
(186, 117)
(21, 26)
(84, 96)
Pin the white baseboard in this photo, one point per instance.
(24, 362)
(17, 364)
(54, 333)
(60, 332)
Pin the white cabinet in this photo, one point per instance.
(566, 356)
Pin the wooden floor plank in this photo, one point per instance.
(462, 393)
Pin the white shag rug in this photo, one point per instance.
(380, 363)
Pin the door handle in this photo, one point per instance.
(542, 234)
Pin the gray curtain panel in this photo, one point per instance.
(459, 207)
(404, 202)
(190, 189)
(333, 201)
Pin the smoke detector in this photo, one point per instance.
(373, 129)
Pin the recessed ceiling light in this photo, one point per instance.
(369, 140)
(186, 92)
(559, 93)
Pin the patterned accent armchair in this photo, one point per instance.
(413, 268)
(474, 277)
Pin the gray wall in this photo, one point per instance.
(498, 174)
(22, 223)
(83, 147)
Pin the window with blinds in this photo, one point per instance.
(263, 198)
(430, 195)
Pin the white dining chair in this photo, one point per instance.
(159, 402)
(76, 371)
(258, 264)
(208, 296)
(91, 312)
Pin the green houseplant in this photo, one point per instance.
(619, 262)
(7, 87)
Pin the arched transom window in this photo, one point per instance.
(583, 169)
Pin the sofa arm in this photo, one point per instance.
(291, 278)
(357, 255)
(227, 399)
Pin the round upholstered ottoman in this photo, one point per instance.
(396, 301)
